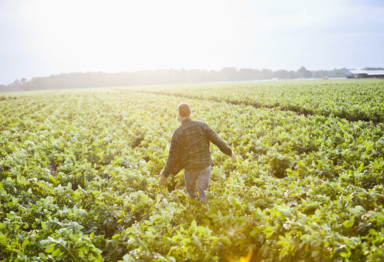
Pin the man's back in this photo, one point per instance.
(190, 146)
(193, 142)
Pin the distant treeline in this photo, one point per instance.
(163, 77)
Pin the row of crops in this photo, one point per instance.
(4, 98)
(349, 99)
(78, 181)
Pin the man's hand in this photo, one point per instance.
(233, 157)
(163, 180)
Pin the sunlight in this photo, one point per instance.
(44, 37)
(247, 258)
(131, 35)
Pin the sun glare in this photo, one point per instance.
(126, 35)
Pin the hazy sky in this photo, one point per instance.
(45, 37)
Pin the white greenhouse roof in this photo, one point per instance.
(367, 72)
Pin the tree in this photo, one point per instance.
(282, 74)
(303, 73)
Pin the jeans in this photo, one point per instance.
(202, 178)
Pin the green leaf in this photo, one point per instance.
(50, 248)
(193, 225)
(344, 254)
(45, 242)
(226, 241)
(25, 243)
(315, 253)
(56, 253)
(349, 223)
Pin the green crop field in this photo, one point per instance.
(79, 174)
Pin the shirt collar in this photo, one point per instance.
(186, 120)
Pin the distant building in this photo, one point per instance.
(365, 73)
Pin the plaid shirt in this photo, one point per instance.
(190, 147)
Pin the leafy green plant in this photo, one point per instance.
(78, 174)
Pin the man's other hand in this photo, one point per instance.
(233, 157)
(163, 180)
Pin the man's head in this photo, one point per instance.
(184, 110)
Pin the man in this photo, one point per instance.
(190, 151)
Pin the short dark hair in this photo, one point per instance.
(184, 110)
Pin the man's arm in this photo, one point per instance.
(173, 162)
(220, 143)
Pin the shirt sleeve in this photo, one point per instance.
(220, 143)
(173, 165)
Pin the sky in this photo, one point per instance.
(44, 37)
